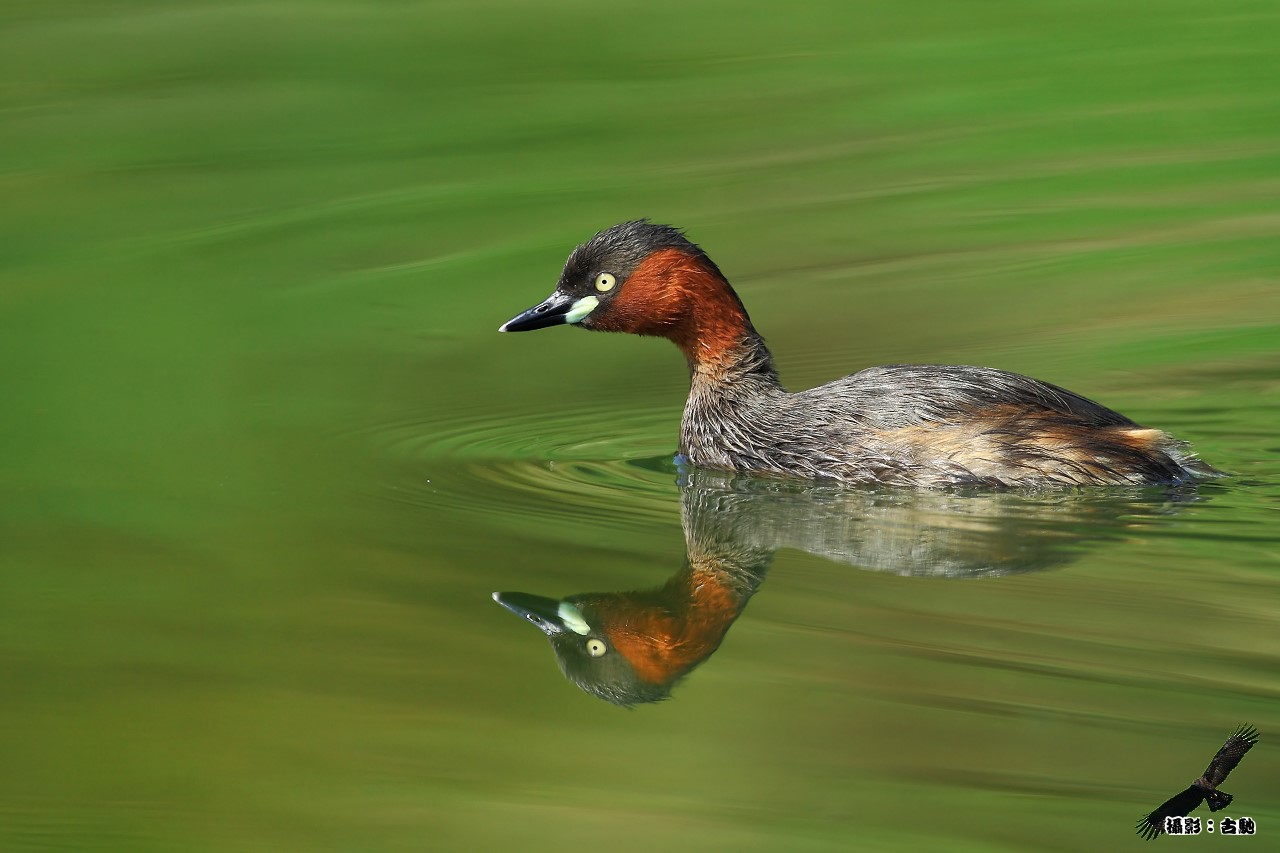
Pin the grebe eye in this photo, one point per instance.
(605, 282)
(595, 647)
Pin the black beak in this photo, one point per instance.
(551, 312)
(542, 612)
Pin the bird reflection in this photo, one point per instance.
(633, 647)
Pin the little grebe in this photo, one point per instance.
(908, 425)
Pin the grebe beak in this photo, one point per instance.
(548, 614)
(555, 309)
(551, 312)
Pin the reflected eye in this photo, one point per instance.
(595, 648)
(605, 282)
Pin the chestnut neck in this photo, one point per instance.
(720, 344)
(665, 633)
(686, 299)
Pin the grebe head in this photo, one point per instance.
(635, 277)
(596, 646)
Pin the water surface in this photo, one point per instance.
(267, 457)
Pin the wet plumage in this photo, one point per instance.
(1204, 788)
(902, 425)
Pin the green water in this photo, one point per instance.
(266, 457)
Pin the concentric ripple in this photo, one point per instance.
(611, 467)
(539, 437)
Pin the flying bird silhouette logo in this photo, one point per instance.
(1204, 788)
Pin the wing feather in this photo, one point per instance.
(1241, 741)
(911, 394)
(1182, 803)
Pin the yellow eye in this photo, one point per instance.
(605, 282)
(595, 648)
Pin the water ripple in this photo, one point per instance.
(614, 467)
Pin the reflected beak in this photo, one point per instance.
(549, 615)
(551, 312)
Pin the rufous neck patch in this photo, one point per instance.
(677, 296)
(666, 633)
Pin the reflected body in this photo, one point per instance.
(633, 647)
(1205, 788)
(903, 425)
